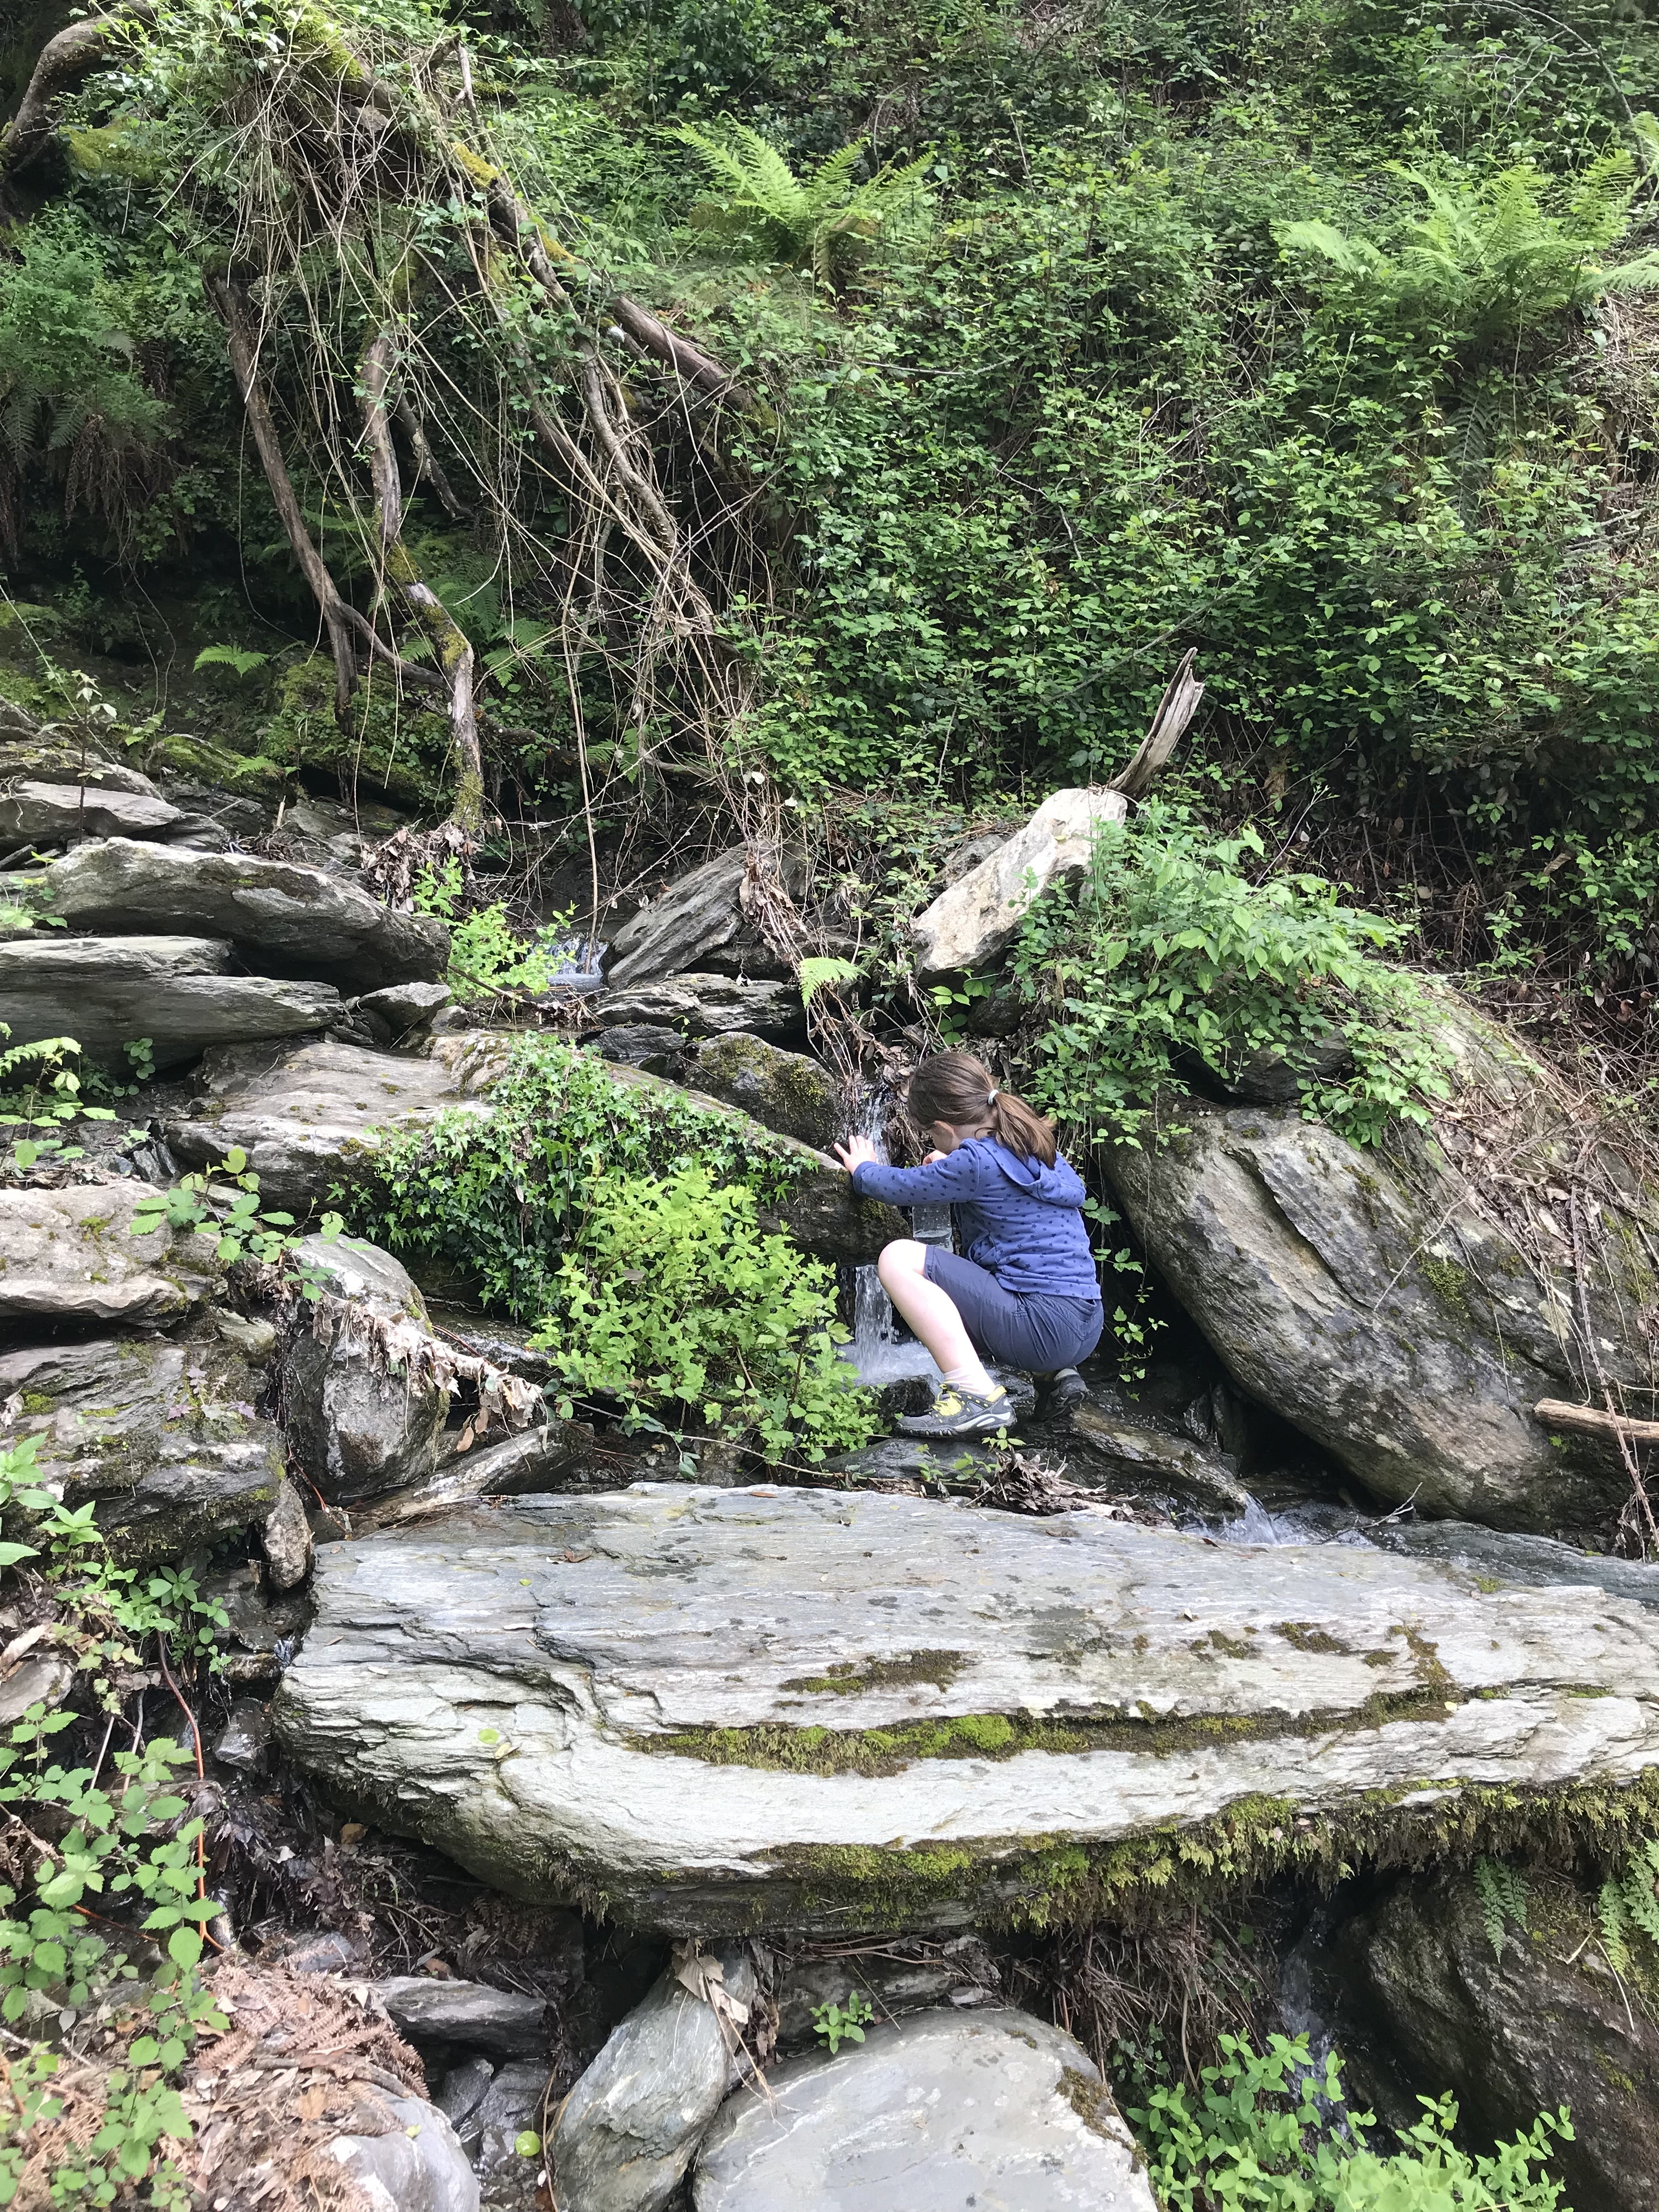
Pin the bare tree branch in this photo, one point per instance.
(450, 644)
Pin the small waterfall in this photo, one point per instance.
(881, 1350)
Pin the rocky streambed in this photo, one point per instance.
(588, 1806)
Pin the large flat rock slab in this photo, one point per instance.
(284, 918)
(717, 1710)
(106, 991)
(972, 923)
(942, 2111)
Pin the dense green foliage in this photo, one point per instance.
(1266, 2133)
(671, 1299)
(123, 1836)
(1166, 964)
(1314, 336)
(622, 1219)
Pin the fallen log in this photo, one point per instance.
(1591, 1421)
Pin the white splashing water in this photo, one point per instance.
(879, 1351)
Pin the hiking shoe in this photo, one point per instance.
(961, 1413)
(1062, 1391)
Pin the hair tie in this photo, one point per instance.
(991, 1097)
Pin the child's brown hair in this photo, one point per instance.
(955, 1087)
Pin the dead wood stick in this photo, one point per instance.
(1591, 1421)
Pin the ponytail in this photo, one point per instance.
(955, 1087)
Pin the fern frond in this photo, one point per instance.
(1641, 274)
(1610, 1911)
(1490, 1891)
(1354, 257)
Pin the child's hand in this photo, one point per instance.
(858, 1152)
(932, 1159)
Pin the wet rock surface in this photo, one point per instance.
(161, 1433)
(668, 1693)
(942, 2111)
(93, 989)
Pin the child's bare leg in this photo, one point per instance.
(933, 1315)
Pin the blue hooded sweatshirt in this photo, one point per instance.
(1015, 1218)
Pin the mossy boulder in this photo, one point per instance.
(787, 1091)
(160, 1432)
(1434, 2004)
(716, 1710)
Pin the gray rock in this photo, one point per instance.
(72, 1256)
(256, 1339)
(404, 1008)
(546, 1455)
(48, 760)
(41, 1678)
(691, 917)
(244, 1742)
(640, 1044)
(1379, 1304)
(784, 1090)
(161, 1433)
(417, 2166)
(514, 2104)
(257, 1618)
(1272, 1078)
(464, 2088)
(33, 812)
(286, 1539)
(665, 1695)
(331, 1953)
(104, 991)
(361, 1417)
(707, 1005)
(970, 924)
(949, 2109)
(1536, 1561)
(960, 1971)
(631, 2126)
(282, 918)
(309, 1116)
(1546, 2025)
(1129, 1458)
(428, 2008)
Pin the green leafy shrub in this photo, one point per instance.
(487, 954)
(131, 1844)
(497, 1198)
(672, 1300)
(1266, 2134)
(1168, 962)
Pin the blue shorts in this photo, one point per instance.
(1024, 1329)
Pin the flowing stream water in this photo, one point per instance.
(881, 1349)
